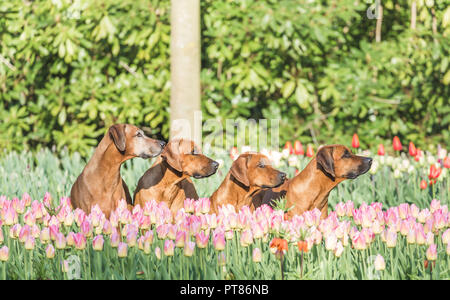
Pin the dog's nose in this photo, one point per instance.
(282, 176)
(215, 164)
(369, 160)
(162, 144)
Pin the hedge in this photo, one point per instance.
(70, 68)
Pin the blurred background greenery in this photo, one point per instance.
(70, 68)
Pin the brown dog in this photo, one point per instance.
(311, 187)
(100, 182)
(249, 174)
(169, 178)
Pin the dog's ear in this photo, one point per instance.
(171, 153)
(325, 161)
(239, 169)
(117, 134)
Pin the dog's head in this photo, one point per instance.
(131, 141)
(255, 169)
(338, 162)
(185, 157)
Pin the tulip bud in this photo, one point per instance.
(4, 253)
(50, 251)
(122, 250)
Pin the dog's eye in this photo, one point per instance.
(260, 165)
(346, 155)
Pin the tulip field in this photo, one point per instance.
(391, 223)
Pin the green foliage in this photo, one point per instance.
(68, 69)
(80, 66)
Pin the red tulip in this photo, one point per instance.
(298, 148)
(380, 149)
(355, 141)
(309, 151)
(288, 146)
(412, 149)
(397, 144)
(447, 162)
(434, 172)
(423, 184)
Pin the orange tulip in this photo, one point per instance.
(302, 246)
(423, 184)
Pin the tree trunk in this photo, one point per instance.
(185, 109)
(413, 15)
(379, 22)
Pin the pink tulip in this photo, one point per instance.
(256, 255)
(432, 252)
(10, 216)
(158, 252)
(391, 238)
(169, 248)
(149, 237)
(162, 231)
(132, 238)
(4, 253)
(14, 231)
(403, 210)
(97, 243)
(219, 241)
(205, 205)
(107, 227)
(340, 209)
(246, 238)
(430, 238)
(80, 241)
(339, 249)
(369, 236)
(70, 239)
(446, 237)
(50, 251)
(122, 250)
(359, 241)
(330, 241)
(24, 233)
(29, 243)
(435, 205)
(229, 234)
(115, 239)
(60, 241)
(202, 239)
(421, 237)
(411, 237)
(180, 239)
(189, 249)
(189, 205)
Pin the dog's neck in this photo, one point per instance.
(313, 185)
(171, 176)
(234, 190)
(106, 162)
